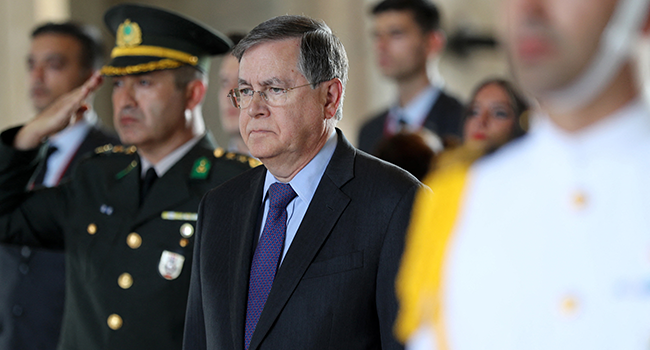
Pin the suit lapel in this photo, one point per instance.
(242, 248)
(326, 207)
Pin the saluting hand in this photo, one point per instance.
(65, 110)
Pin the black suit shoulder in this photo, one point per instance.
(446, 116)
(372, 131)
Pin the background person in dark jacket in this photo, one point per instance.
(62, 57)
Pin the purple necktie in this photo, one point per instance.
(267, 255)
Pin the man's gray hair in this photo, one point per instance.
(322, 56)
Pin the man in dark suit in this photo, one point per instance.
(62, 56)
(300, 253)
(407, 34)
(126, 219)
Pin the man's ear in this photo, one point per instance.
(333, 97)
(194, 93)
(436, 41)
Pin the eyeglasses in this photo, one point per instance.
(274, 96)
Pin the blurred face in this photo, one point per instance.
(149, 110)
(229, 114)
(551, 42)
(491, 118)
(401, 46)
(55, 68)
(290, 133)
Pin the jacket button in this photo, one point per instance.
(134, 240)
(125, 281)
(114, 322)
(92, 229)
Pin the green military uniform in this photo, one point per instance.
(127, 260)
(127, 266)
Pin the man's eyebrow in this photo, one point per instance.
(272, 81)
(55, 57)
(268, 82)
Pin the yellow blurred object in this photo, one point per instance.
(419, 281)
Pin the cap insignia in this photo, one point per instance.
(128, 34)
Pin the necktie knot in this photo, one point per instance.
(280, 194)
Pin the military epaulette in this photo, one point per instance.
(109, 148)
(221, 153)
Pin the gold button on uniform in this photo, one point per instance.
(184, 242)
(92, 229)
(187, 230)
(569, 305)
(114, 322)
(579, 200)
(125, 281)
(134, 240)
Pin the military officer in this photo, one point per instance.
(550, 247)
(127, 219)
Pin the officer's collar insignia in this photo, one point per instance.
(128, 34)
(127, 170)
(201, 168)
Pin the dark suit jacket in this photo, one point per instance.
(33, 280)
(444, 119)
(334, 289)
(92, 217)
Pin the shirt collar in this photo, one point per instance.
(308, 178)
(416, 111)
(172, 158)
(69, 139)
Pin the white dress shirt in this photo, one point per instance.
(414, 113)
(166, 163)
(67, 142)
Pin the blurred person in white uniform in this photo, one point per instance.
(545, 244)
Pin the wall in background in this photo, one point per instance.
(367, 91)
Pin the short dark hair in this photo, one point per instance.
(322, 56)
(183, 75)
(424, 12)
(89, 37)
(408, 151)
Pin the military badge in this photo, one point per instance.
(129, 34)
(170, 265)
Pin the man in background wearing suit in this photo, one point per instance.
(300, 253)
(62, 56)
(407, 34)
